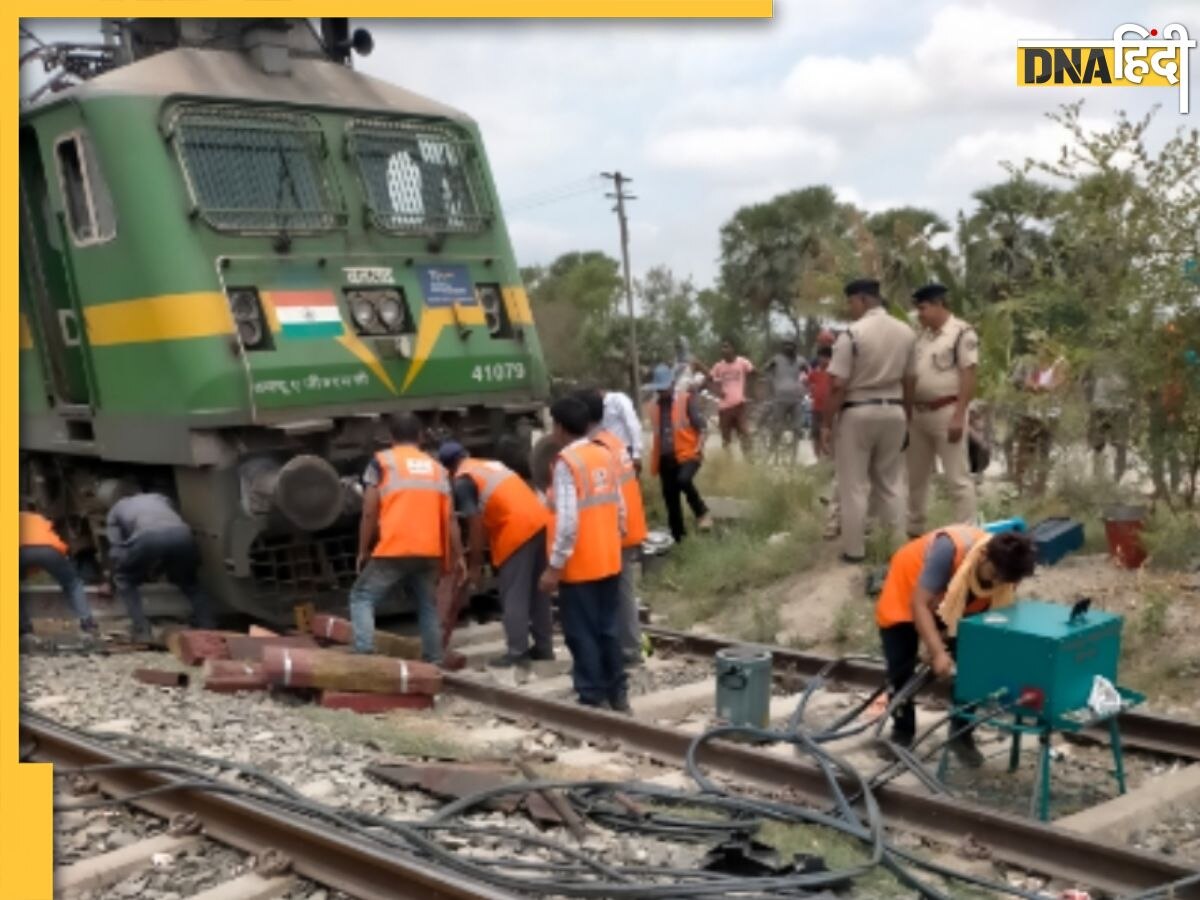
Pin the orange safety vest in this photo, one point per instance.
(512, 513)
(635, 510)
(597, 553)
(414, 505)
(687, 438)
(37, 531)
(895, 600)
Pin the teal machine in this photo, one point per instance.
(1030, 669)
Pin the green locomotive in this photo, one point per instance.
(237, 255)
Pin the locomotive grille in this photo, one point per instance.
(300, 566)
(256, 171)
(419, 176)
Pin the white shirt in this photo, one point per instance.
(622, 420)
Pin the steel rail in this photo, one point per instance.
(1022, 842)
(332, 858)
(1139, 731)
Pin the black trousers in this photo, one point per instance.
(679, 479)
(590, 616)
(172, 551)
(901, 646)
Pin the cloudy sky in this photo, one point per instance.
(890, 101)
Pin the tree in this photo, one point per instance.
(574, 302)
(905, 251)
(790, 254)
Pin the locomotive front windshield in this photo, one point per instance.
(256, 171)
(419, 176)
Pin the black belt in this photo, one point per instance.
(852, 403)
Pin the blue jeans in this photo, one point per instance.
(58, 567)
(590, 616)
(417, 576)
(173, 552)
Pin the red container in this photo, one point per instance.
(1122, 528)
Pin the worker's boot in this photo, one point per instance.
(508, 661)
(964, 749)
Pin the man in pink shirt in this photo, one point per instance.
(729, 375)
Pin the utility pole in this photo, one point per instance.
(619, 181)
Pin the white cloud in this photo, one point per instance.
(737, 153)
(975, 158)
(842, 89)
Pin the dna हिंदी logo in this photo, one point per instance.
(1135, 57)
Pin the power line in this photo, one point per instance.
(546, 196)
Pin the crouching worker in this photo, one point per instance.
(503, 511)
(146, 535)
(406, 504)
(42, 548)
(932, 582)
(585, 558)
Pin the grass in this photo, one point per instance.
(724, 574)
(1152, 618)
(839, 852)
(854, 629)
(395, 733)
(1172, 541)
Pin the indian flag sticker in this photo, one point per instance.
(307, 314)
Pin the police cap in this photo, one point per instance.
(930, 293)
(868, 286)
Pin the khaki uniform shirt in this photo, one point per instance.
(940, 356)
(872, 357)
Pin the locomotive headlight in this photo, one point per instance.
(494, 313)
(391, 313)
(250, 331)
(363, 312)
(247, 313)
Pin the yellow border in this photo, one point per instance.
(26, 824)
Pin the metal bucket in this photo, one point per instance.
(744, 686)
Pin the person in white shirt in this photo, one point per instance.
(621, 419)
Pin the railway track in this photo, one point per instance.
(331, 858)
(310, 849)
(1139, 730)
(1021, 842)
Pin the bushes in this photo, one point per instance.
(1172, 541)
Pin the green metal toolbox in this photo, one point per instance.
(1033, 650)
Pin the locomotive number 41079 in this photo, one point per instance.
(501, 371)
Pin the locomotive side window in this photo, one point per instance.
(86, 197)
(419, 176)
(255, 171)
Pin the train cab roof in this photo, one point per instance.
(231, 76)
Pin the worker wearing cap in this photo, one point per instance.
(585, 558)
(933, 582)
(942, 384)
(635, 524)
(503, 512)
(867, 414)
(407, 533)
(42, 548)
(678, 449)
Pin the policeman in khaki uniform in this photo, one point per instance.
(866, 413)
(942, 384)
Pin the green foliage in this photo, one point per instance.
(1152, 618)
(713, 575)
(1172, 541)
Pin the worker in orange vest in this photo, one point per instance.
(406, 537)
(635, 525)
(678, 427)
(932, 582)
(503, 512)
(42, 548)
(585, 558)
